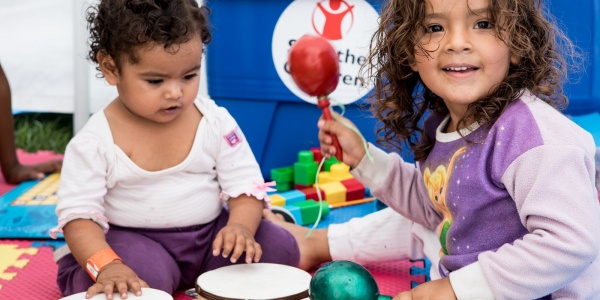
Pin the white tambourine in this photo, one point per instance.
(147, 294)
(257, 281)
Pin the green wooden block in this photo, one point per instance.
(284, 178)
(329, 162)
(310, 210)
(305, 169)
(284, 186)
(285, 174)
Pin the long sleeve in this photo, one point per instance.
(398, 184)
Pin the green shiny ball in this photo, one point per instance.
(343, 280)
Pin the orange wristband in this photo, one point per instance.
(99, 260)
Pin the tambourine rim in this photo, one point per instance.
(209, 296)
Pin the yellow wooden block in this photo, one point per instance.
(335, 192)
(277, 200)
(337, 172)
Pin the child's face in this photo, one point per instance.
(468, 60)
(162, 84)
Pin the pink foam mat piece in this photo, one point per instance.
(37, 279)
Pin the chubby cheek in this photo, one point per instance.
(500, 64)
(191, 96)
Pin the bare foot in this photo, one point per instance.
(314, 249)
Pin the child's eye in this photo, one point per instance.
(483, 25)
(190, 77)
(154, 81)
(435, 28)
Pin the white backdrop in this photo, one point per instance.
(43, 47)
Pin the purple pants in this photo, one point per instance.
(172, 259)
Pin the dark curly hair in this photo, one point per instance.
(118, 27)
(400, 99)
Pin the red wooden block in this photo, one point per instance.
(301, 186)
(355, 189)
(311, 193)
(317, 154)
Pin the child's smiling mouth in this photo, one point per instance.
(460, 69)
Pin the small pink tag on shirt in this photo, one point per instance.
(233, 138)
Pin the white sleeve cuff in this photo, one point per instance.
(340, 247)
(380, 236)
(469, 283)
(95, 216)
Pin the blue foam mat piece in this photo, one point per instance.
(25, 221)
(344, 214)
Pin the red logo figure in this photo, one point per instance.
(338, 10)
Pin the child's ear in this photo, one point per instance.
(514, 59)
(413, 66)
(108, 67)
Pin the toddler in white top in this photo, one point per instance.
(142, 184)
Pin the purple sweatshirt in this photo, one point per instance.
(516, 211)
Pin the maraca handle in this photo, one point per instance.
(384, 297)
(338, 150)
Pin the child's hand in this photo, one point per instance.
(116, 277)
(436, 289)
(350, 142)
(20, 173)
(237, 238)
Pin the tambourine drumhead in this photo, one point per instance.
(147, 294)
(257, 281)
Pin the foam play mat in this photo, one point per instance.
(28, 271)
(28, 209)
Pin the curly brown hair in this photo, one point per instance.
(400, 99)
(118, 27)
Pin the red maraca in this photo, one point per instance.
(315, 69)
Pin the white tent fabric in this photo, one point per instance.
(43, 48)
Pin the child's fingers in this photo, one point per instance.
(229, 241)
(403, 296)
(93, 290)
(217, 244)
(35, 175)
(257, 252)
(143, 283)
(122, 288)
(108, 289)
(51, 166)
(136, 285)
(241, 245)
(253, 251)
(324, 135)
(327, 129)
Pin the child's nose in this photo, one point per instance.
(458, 40)
(174, 90)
